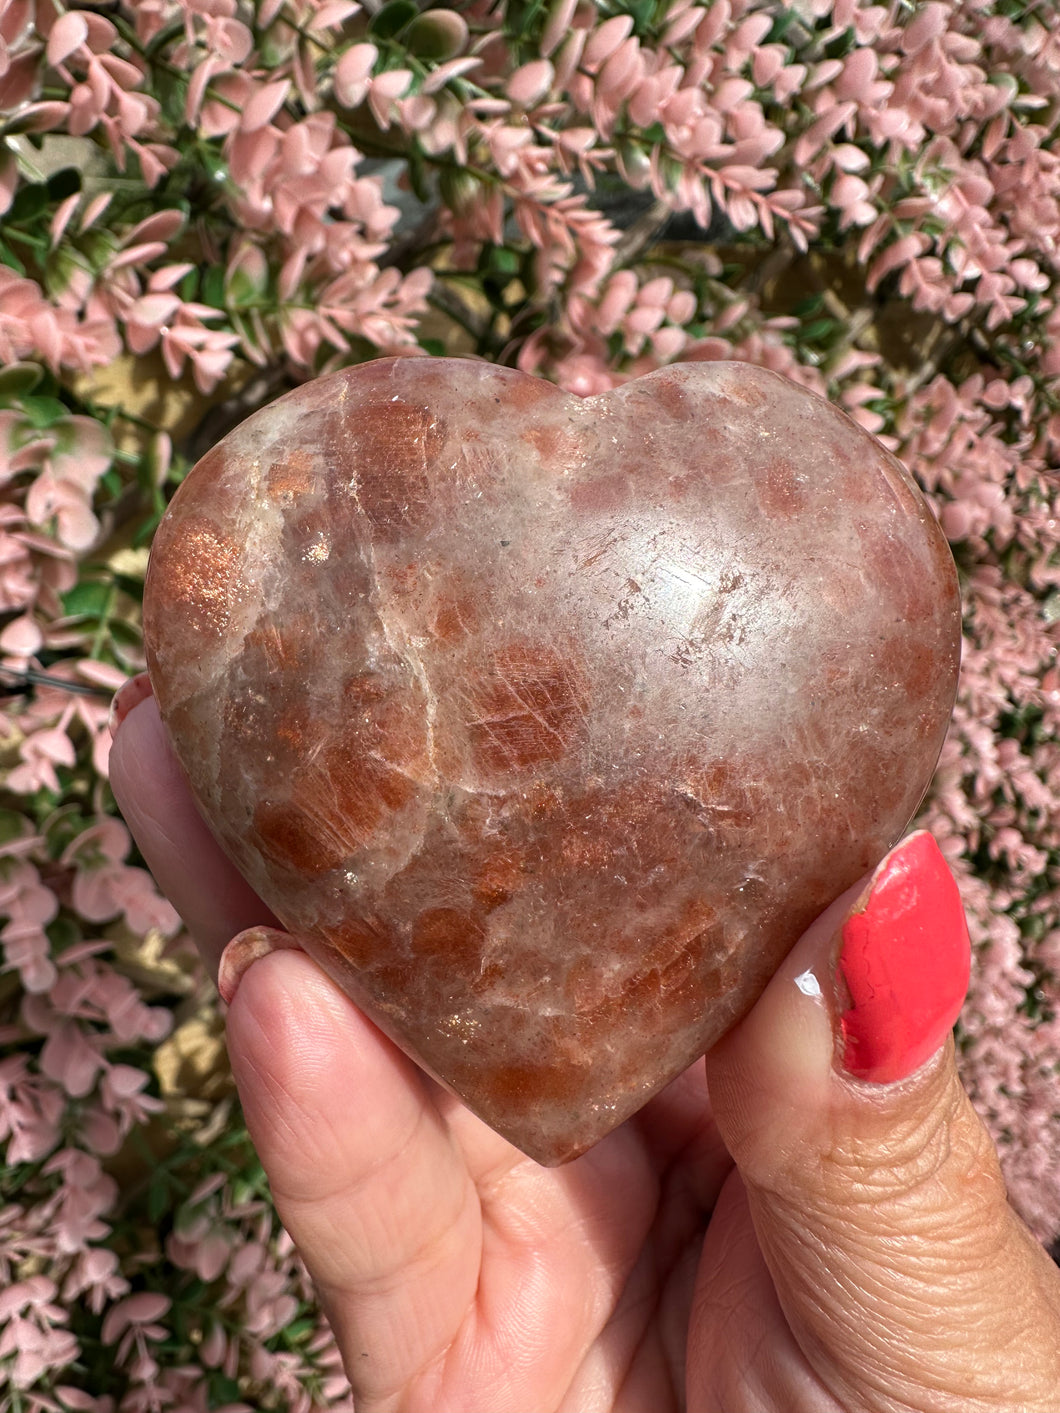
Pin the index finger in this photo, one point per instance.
(188, 864)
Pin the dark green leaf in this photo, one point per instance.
(781, 24)
(123, 634)
(18, 379)
(817, 330)
(87, 599)
(11, 826)
(158, 1196)
(643, 12)
(812, 304)
(213, 287)
(418, 174)
(504, 261)
(98, 247)
(437, 35)
(10, 259)
(222, 1389)
(43, 411)
(64, 183)
(143, 536)
(62, 933)
(129, 585)
(393, 18)
(31, 201)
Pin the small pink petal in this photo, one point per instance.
(68, 33)
(140, 1309)
(138, 254)
(153, 310)
(162, 226)
(605, 39)
(22, 637)
(63, 213)
(451, 69)
(530, 82)
(95, 209)
(557, 26)
(264, 105)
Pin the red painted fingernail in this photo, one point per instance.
(130, 694)
(905, 959)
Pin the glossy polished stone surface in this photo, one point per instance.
(548, 725)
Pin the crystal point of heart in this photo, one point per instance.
(548, 724)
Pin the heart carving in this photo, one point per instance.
(547, 725)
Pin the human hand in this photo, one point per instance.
(802, 1241)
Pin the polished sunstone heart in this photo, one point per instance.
(548, 725)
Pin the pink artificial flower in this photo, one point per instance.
(30, 1113)
(71, 1057)
(197, 1247)
(40, 753)
(130, 1325)
(121, 1090)
(32, 1331)
(86, 1194)
(28, 906)
(353, 74)
(208, 350)
(95, 1278)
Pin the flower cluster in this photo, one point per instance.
(204, 202)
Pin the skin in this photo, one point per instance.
(794, 1242)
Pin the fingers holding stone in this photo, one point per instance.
(366, 1176)
(904, 1275)
(185, 859)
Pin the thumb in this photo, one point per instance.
(904, 1277)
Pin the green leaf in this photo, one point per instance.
(417, 170)
(130, 585)
(643, 12)
(63, 183)
(143, 536)
(10, 259)
(242, 291)
(97, 246)
(222, 1389)
(11, 826)
(158, 1196)
(781, 24)
(87, 599)
(817, 330)
(504, 261)
(213, 287)
(393, 18)
(437, 35)
(43, 411)
(18, 379)
(63, 933)
(435, 347)
(31, 201)
(812, 304)
(123, 634)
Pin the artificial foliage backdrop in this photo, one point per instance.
(204, 202)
